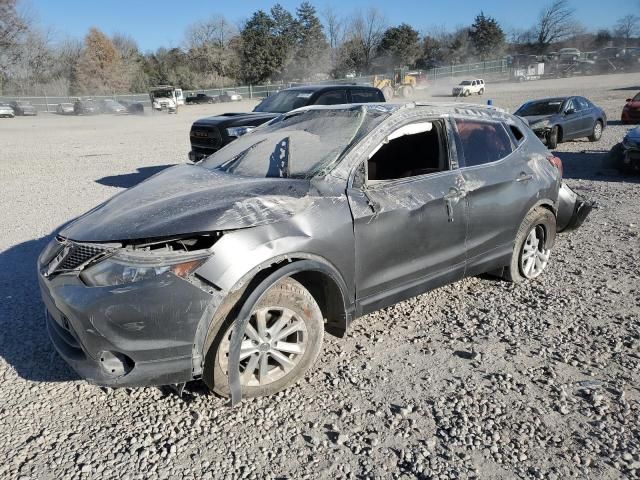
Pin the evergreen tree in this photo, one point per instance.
(401, 45)
(262, 52)
(487, 36)
(312, 51)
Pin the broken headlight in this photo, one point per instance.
(239, 131)
(540, 125)
(130, 267)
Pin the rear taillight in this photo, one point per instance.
(556, 162)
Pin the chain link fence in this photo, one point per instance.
(497, 69)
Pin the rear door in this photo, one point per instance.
(499, 187)
(587, 116)
(573, 120)
(332, 97)
(365, 95)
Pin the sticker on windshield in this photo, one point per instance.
(304, 95)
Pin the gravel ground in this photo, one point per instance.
(480, 379)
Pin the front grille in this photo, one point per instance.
(205, 136)
(78, 254)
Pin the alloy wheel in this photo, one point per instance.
(274, 342)
(534, 256)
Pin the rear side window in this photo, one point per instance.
(582, 104)
(482, 142)
(334, 97)
(366, 96)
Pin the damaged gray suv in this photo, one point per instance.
(232, 270)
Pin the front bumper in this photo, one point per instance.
(137, 334)
(573, 209)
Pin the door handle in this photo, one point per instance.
(451, 198)
(524, 177)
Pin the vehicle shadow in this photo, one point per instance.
(595, 165)
(128, 180)
(637, 87)
(24, 342)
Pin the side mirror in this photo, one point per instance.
(569, 111)
(628, 100)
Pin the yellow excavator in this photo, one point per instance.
(401, 84)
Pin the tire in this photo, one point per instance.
(287, 296)
(533, 242)
(406, 91)
(388, 93)
(597, 132)
(467, 93)
(481, 91)
(552, 138)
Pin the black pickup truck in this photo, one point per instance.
(208, 135)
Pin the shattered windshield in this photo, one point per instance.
(285, 101)
(299, 145)
(548, 107)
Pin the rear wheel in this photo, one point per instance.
(481, 91)
(406, 91)
(597, 132)
(532, 248)
(552, 138)
(281, 342)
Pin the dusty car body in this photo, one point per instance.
(467, 87)
(108, 105)
(201, 98)
(631, 110)
(230, 270)
(85, 107)
(559, 119)
(6, 111)
(163, 98)
(23, 108)
(64, 109)
(230, 96)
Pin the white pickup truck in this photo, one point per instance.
(467, 87)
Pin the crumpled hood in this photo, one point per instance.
(188, 199)
(532, 119)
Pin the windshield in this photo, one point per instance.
(300, 145)
(636, 98)
(285, 101)
(466, 82)
(547, 107)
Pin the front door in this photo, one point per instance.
(410, 219)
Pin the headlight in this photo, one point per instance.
(130, 267)
(540, 125)
(239, 131)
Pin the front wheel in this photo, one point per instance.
(532, 247)
(481, 91)
(597, 132)
(281, 342)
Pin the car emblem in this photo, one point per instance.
(200, 133)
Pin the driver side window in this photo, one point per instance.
(412, 150)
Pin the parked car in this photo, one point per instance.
(568, 54)
(6, 111)
(210, 134)
(631, 110)
(201, 98)
(64, 109)
(231, 270)
(230, 96)
(133, 106)
(108, 105)
(85, 107)
(626, 154)
(559, 119)
(467, 87)
(23, 108)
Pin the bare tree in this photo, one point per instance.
(334, 26)
(556, 22)
(364, 33)
(208, 44)
(13, 27)
(627, 27)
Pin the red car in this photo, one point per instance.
(631, 110)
